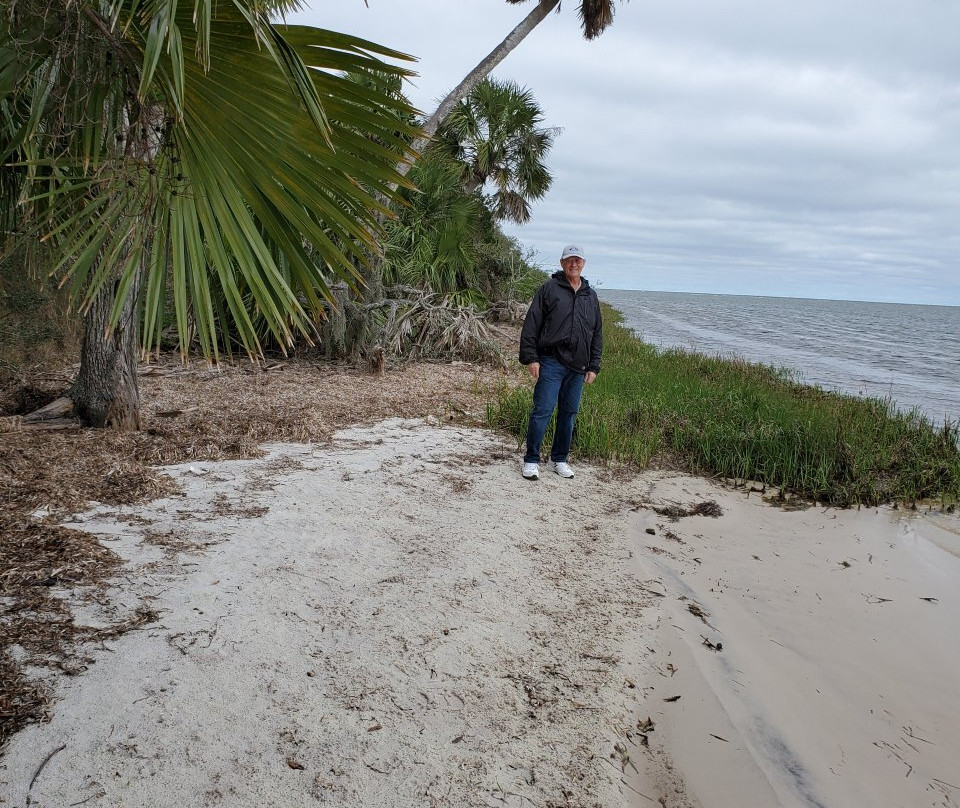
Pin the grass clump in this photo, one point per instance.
(746, 421)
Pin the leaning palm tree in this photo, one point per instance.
(595, 17)
(195, 147)
(497, 136)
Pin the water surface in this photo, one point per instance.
(906, 352)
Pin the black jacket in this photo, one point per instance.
(564, 324)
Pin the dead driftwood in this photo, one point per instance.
(56, 415)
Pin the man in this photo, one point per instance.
(560, 344)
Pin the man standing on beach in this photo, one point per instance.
(560, 344)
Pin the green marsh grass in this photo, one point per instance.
(746, 421)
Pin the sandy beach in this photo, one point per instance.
(396, 618)
(813, 649)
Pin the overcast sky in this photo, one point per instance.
(742, 147)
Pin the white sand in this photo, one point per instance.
(398, 619)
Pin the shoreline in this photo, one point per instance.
(395, 618)
(791, 333)
(815, 646)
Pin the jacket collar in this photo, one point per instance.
(561, 278)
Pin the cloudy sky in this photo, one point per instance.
(755, 147)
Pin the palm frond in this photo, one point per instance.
(216, 151)
(497, 134)
(430, 242)
(595, 16)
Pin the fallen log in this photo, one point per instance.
(59, 408)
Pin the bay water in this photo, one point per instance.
(907, 353)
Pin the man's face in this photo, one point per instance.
(572, 267)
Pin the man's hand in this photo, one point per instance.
(590, 377)
(534, 369)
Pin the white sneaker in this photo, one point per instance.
(562, 469)
(531, 471)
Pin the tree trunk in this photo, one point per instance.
(480, 72)
(348, 331)
(106, 393)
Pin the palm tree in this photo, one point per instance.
(196, 146)
(495, 133)
(595, 17)
(430, 243)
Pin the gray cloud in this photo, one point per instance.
(743, 147)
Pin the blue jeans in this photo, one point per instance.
(558, 387)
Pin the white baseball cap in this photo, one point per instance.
(573, 250)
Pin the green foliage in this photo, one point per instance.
(752, 422)
(444, 238)
(495, 134)
(445, 241)
(505, 271)
(430, 243)
(201, 146)
(527, 280)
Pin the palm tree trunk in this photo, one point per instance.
(106, 393)
(480, 72)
